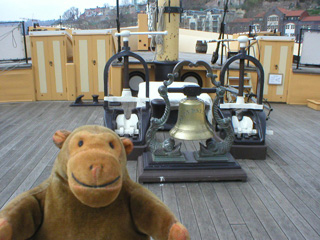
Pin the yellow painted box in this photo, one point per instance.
(314, 104)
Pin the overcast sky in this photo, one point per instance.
(14, 10)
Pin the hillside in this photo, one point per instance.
(253, 7)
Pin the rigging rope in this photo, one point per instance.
(14, 42)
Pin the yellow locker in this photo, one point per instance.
(92, 50)
(49, 57)
(276, 54)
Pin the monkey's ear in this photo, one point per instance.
(60, 137)
(128, 145)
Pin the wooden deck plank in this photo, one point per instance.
(9, 109)
(229, 207)
(299, 190)
(217, 213)
(296, 173)
(11, 113)
(170, 199)
(262, 213)
(308, 147)
(294, 208)
(241, 231)
(273, 207)
(132, 170)
(25, 138)
(43, 176)
(301, 117)
(299, 126)
(299, 139)
(248, 214)
(26, 127)
(156, 189)
(23, 118)
(206, 226)
(187, 215)
(280, 199)
(300, 131)
(305, 170)
(23, 127)
(304, 150)
(27, 146)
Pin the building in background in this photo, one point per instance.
(208, 20)
(94, 12)
(201, 20)
(276, 19)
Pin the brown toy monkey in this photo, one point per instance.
(89, 196)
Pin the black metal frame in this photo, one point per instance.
(192, 74)
(242, 56)
(300, 40)
(143, 112)
(24, 41)
(125, 53)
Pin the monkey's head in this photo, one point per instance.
(93, 161)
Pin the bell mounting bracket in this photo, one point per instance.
(168, 148)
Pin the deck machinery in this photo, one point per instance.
(127, 115)
(248, 118)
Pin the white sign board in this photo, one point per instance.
(11, 42)
(275, 79)
(310, 48)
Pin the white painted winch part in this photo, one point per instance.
(126, 92)
(243, 41)
(126, 97)
(240, 104)
(127, 126)
(243, 126)
(240, 100)
(126, 34)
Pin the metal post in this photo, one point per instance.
(298, 62)
(118, 26)
(241, 72)
(24, 41)
(126, 65)
(221, 53)
(248, 63)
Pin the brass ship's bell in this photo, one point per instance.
(192, 123)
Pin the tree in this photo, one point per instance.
(195, 5)
(71, 14)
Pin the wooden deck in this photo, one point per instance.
(280, 200)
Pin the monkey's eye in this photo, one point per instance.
(111, 145)
(80, 143)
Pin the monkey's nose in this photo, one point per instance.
(96, 171)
